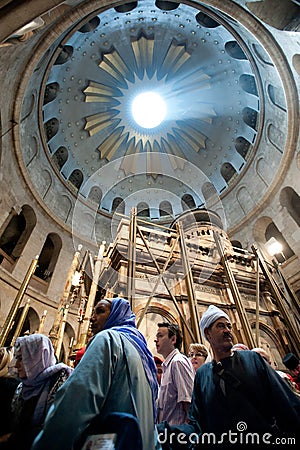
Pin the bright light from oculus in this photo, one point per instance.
(273, 246)
(148, 109)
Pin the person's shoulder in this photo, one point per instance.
(250, 358)
(179, 358)
(204, 370)
(105, 339)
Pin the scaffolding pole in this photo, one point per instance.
(193, 337)
(131, 257)
(54, 332)
(91, 298)
(188, 276)
(278, 296)
(20, 323)
(236, 295)
(15, 306)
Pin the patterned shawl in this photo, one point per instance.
(40, 365)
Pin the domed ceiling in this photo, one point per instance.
(200, 63)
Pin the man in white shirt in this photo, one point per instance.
(178, 376)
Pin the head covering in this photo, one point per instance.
(122, 319)
(6, 356)
(39, 364)
(240, 346)
(290, 361)
(210, 316)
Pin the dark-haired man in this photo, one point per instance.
(177, 378)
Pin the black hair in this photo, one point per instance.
(173, 330)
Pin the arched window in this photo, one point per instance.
(227, 171)
(234, 50)
(48, 257)
(248, 84)
(236, 244)
(291, 200)
(164, 5)
(272, 231)
(187, 202)
(65, 55)
(51, 92)
(143, 210)
(17, 232)
(126, 7)
(165, 208)
(76, 178)
(242, 146)
(91, 25)
(118, 205)
(51, 128)
(250, 117)
(95, 195)
(277, 97)
(206, 21)
(60, 157)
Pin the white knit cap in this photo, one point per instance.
(210, 316)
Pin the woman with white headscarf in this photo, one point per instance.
(40, 379)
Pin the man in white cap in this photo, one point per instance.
(236, 397)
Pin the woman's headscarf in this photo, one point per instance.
(122, 318)
(6, 356)
(39, 365)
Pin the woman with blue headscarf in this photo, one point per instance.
(117, 374)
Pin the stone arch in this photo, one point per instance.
(155, 314)
(91, 25)
(206, 21)
(51, 128)
(30, 324)
(263, 171)
(242, 146)
(95, 195)
(244, 199)
(76, 178)
(165, 208)
(187, 202)
(65, 55)
(51, 92)
(234, 50)
(276, 96)
(269, 342)
(296, 63)
(272, 231)
(60, 157)
(17, 232)
(291, 201)
(126, 7)
(250, 117)
(48, 257)
(228, 171)
(143, 209)
(248, 84)
(118, 205)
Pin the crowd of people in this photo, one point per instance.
(121, 395)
